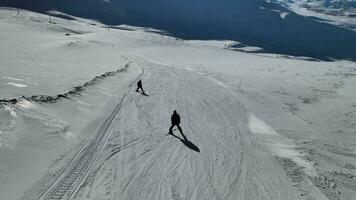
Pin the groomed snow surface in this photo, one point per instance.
(258, 126)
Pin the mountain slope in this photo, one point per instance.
(252, 22)
(258, 126)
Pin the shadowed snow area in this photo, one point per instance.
(258, 126)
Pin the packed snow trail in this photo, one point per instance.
(141, 161)
(66, 182)
(130, 155)
(77, 171)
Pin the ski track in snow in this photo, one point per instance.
(231, 153)
(140, 161)
(67, 182)
(132, 157)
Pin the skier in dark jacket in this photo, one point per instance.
(139, 86)
(175, 121)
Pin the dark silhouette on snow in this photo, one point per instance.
(139, 87)
(186, 142)
(175, 121)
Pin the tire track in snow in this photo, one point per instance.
(73, 176)
(68, 181)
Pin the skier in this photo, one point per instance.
(139, 86)
(175, 120)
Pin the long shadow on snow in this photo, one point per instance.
(252, 22)
(143, 93)
(186, 142)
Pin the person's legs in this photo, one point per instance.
(181, 132)
(140, 88)
(171, 129)
(179, 128)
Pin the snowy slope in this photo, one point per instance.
(24, 65)
(259, 126)
(339, 12)
(322, 4)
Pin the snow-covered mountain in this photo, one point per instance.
(337, 4)
(267, 25)
(337, 12)
(256, 126)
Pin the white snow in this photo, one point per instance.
(14, 79)
(283, 15)
(278, 144)
(17, 84)
(26, 104)
(260, 126)
(339, 17)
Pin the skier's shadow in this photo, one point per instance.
(186, 142)
(144, 94)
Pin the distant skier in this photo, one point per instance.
(175, 121)
(139, 86)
